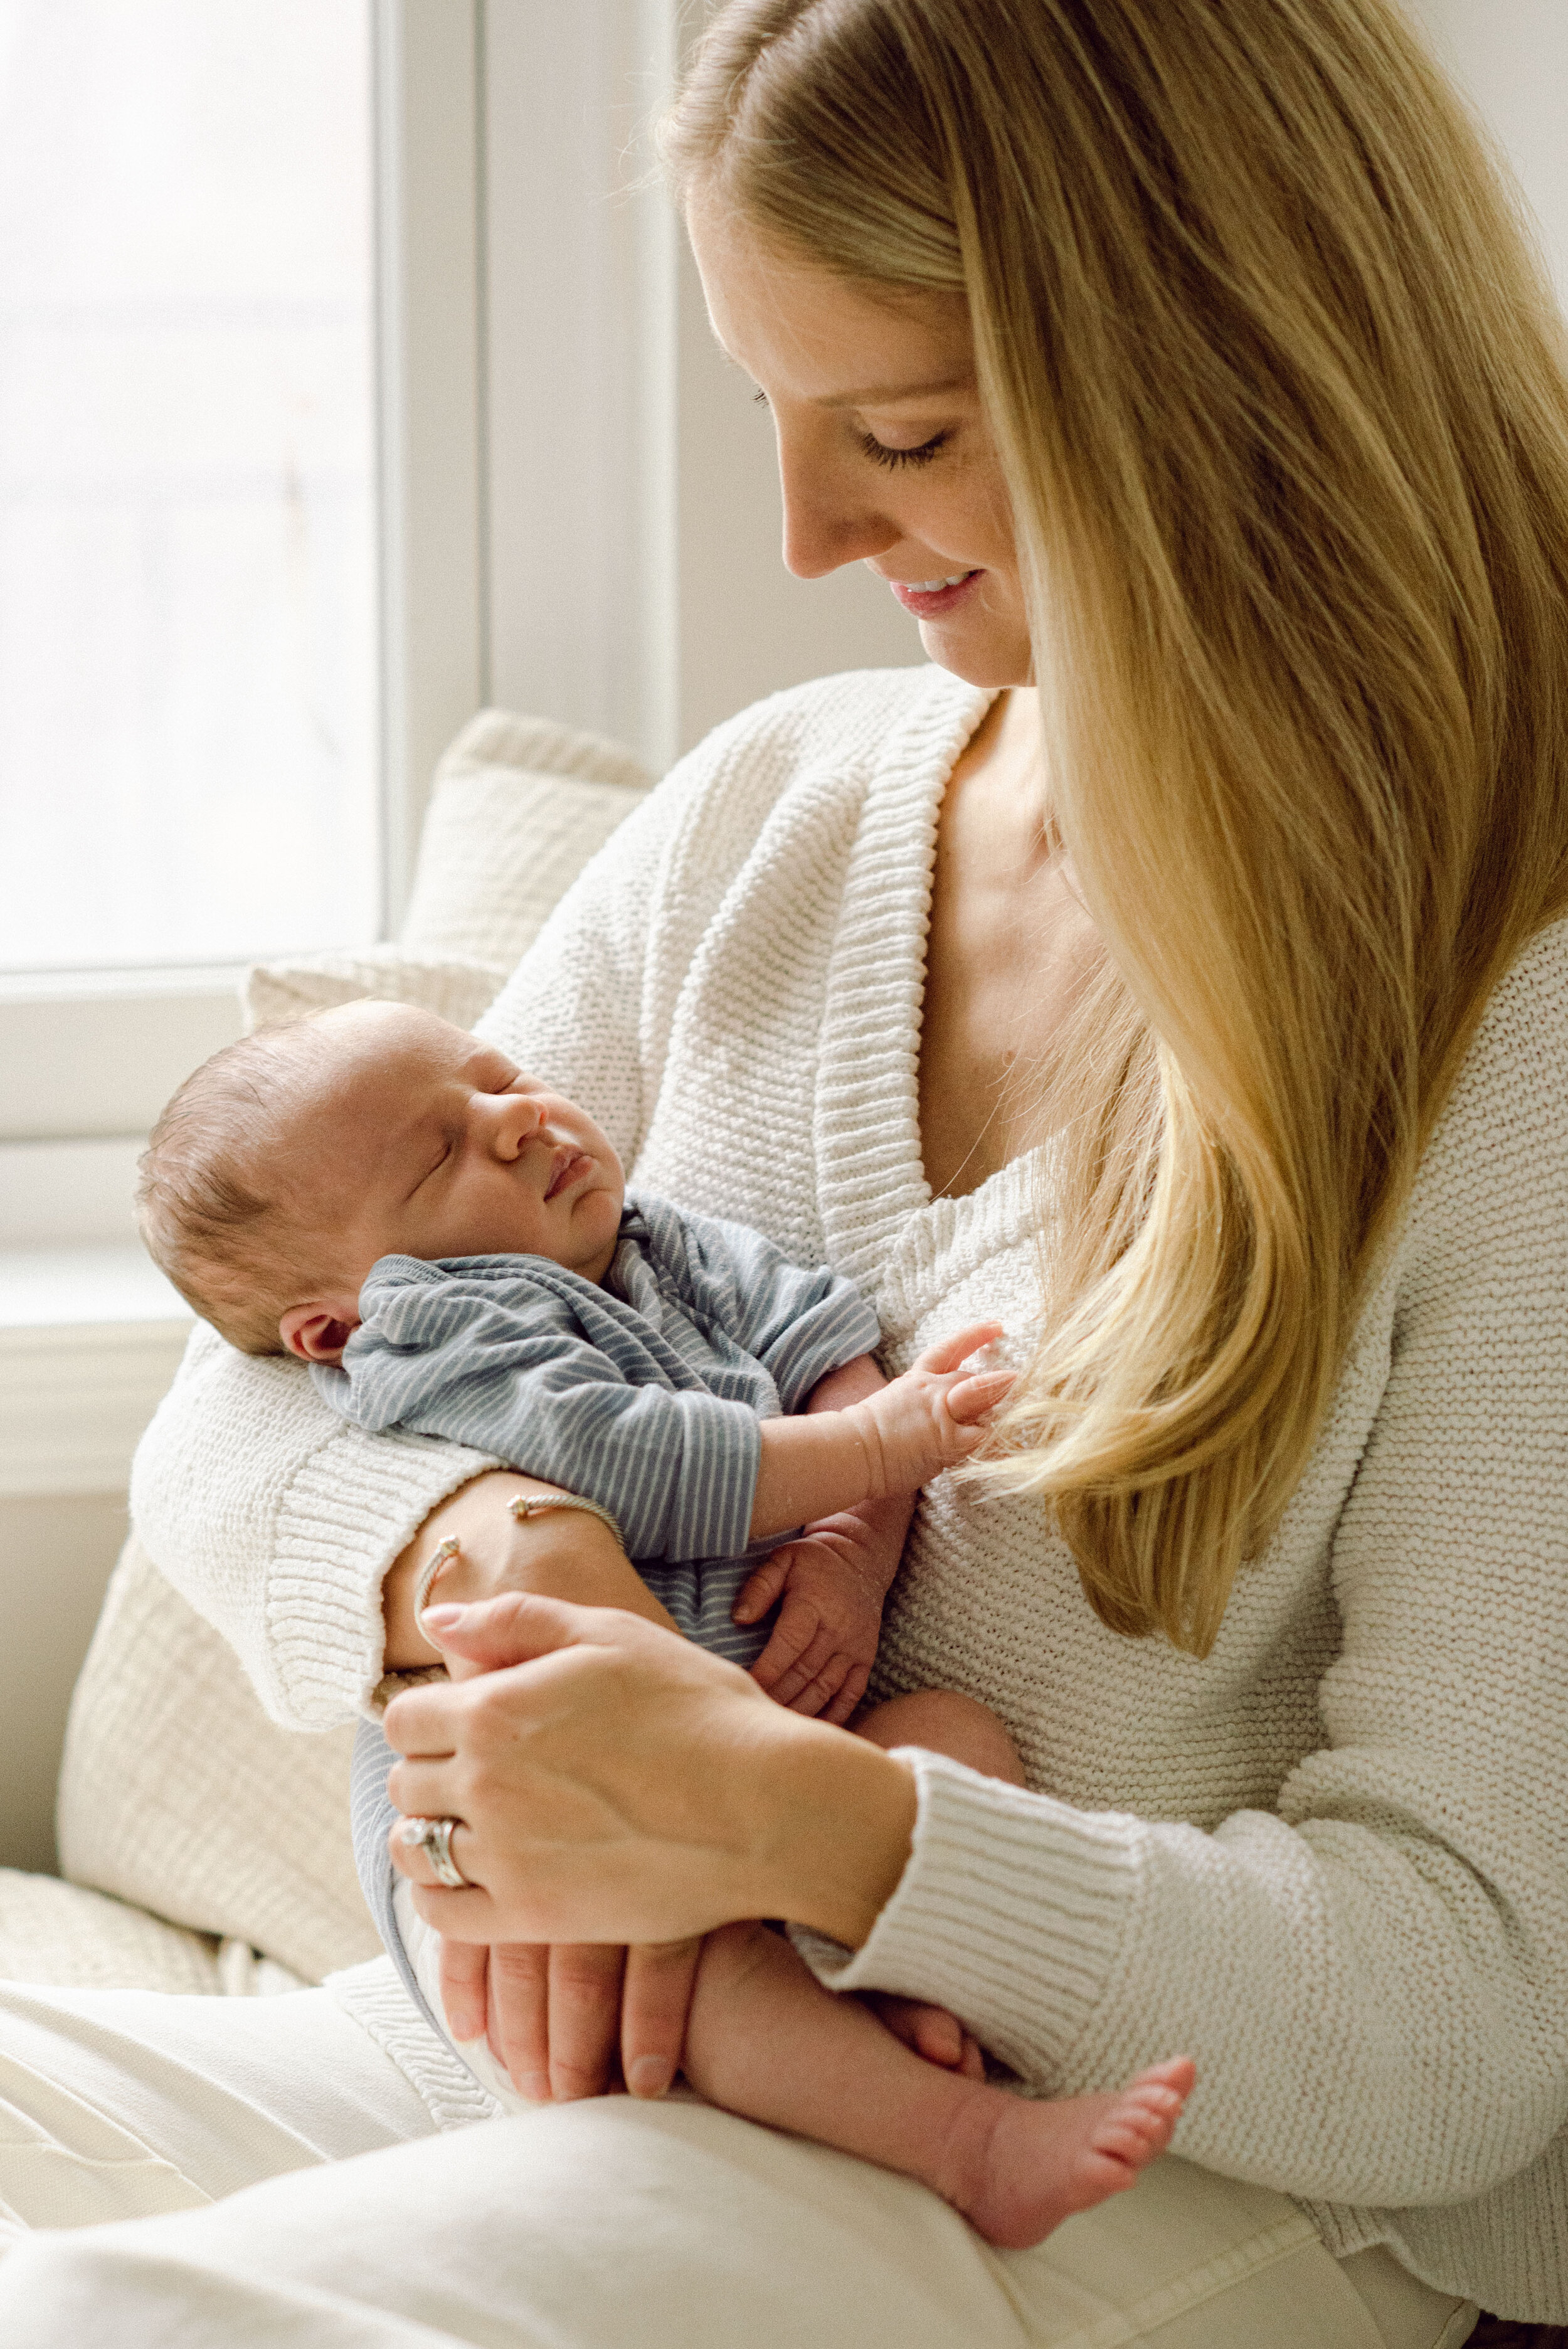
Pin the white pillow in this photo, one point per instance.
(518, 808)
(279, 991)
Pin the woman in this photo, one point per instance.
(1189, 948)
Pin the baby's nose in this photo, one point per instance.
(510, 1120)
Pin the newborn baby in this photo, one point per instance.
(451, 1247)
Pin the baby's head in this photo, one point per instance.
(289, 1163)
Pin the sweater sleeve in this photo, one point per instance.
(1374, 1976)
(272, 1517)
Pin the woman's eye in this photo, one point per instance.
(892, 459)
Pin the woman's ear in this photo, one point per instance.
(315, 1332)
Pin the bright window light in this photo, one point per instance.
(188, 651)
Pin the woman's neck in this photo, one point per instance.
(1009, 943)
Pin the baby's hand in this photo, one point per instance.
(833, 1578)
(931, 1419)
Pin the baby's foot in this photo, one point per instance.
(1017, 2167)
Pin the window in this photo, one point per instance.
(239, 513)
(187, 673)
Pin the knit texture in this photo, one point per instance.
(1330, 1860)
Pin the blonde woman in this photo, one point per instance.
(1176, 973)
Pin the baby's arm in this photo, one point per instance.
(885, 1445)
(835, 1577)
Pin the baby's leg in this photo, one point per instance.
(766, 2041)
(944, 1722)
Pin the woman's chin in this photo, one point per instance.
(980, 655)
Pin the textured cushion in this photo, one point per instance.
(177, 1794)
(460, 991)
(519, 807)
(60, 1935)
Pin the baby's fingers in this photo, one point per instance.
(847, 1702)
(761, 1589)
(950, 1352)
(794, 1634)
(825, 1687)
(973, 1397)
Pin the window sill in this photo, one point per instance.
(90, 1335)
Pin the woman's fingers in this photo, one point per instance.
(411, 1858)
(512, 1629)
(465, 1970)
(950, 1352)
(655, 1998)
(584, 2017)
(520, 2015)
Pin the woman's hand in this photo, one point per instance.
(613, 1783)
(564, 2021)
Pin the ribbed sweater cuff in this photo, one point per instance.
(1010, 1911)
(378, 2002)
(353, 1505)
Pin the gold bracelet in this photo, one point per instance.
(528, 1505)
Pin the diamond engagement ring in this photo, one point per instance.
(434, 1838)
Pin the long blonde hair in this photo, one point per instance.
(1278, 389)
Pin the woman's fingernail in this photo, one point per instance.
(650, 2075)
(534, 2085)
(443, 1618)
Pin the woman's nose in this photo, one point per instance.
(828, 519)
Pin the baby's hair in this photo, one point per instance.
(211, 1218)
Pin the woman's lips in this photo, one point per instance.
(569, 1165)
(929, 604)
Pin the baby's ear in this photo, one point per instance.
(316, 1333)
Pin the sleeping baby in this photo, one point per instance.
(452, 1248)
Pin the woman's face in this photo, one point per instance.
(883, 454)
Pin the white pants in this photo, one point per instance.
(269, 2176)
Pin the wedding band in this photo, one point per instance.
(433, 1838)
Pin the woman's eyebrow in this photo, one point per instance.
(884, 395)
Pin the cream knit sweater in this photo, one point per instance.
(1331, 1860)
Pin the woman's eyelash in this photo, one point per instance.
(892, 459)
(881, 454)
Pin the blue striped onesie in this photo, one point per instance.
(642, 1394)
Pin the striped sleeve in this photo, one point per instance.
(676, 1470)
(798, 1322)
